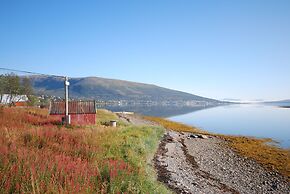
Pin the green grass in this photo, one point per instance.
(105, 116)
(135, 146)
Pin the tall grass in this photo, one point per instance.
(40, 156)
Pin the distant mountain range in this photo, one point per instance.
(115, 90)
(279, 103)
(284, 101)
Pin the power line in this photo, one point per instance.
(29, 72)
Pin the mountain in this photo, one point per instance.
(113, 90)
(284, 101)
(279, 103)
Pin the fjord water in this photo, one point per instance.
(256, 120)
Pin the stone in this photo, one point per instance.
(193, 136)
(203, 137)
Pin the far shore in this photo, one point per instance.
(284, 106)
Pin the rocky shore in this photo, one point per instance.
(189, 163)
(194, 163)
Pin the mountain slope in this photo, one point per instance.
(110, 89)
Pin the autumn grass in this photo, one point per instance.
(40, 156)
(261, 150)
(175, 126)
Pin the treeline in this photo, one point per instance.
(13, 87)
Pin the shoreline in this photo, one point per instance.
(270, 156)
(206, 165)
(191, 165)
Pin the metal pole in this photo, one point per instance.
(67, 116)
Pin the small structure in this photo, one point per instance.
(80, 112)
(9, 99)
(113, 123)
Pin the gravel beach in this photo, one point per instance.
(193, 163)
(190, 164)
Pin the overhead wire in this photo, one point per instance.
(30, 72)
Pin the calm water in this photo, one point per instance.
(249, 120)
(158, 111)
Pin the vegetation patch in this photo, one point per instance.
(39, 156)
(175, 126)
(270, 156)
(105, 116)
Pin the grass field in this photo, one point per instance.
(40, 156)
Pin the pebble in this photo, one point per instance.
(207, 166)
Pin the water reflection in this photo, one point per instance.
(158, 111)
(250, 120)
(255, 120)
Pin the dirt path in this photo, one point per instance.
(190, 164)
(135, 119)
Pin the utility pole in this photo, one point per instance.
(67, 116)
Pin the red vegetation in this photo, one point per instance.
(39, 156)
(78, 119)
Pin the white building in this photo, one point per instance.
(7, 99)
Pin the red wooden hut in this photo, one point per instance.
(81, 112)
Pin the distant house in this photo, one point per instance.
(81, 112)
(16, 99)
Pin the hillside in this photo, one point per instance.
(110, 89)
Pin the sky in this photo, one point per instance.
(217, 49)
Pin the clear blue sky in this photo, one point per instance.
(218, 49)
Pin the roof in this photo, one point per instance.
(74, 107)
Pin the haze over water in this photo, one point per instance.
(249, 120)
